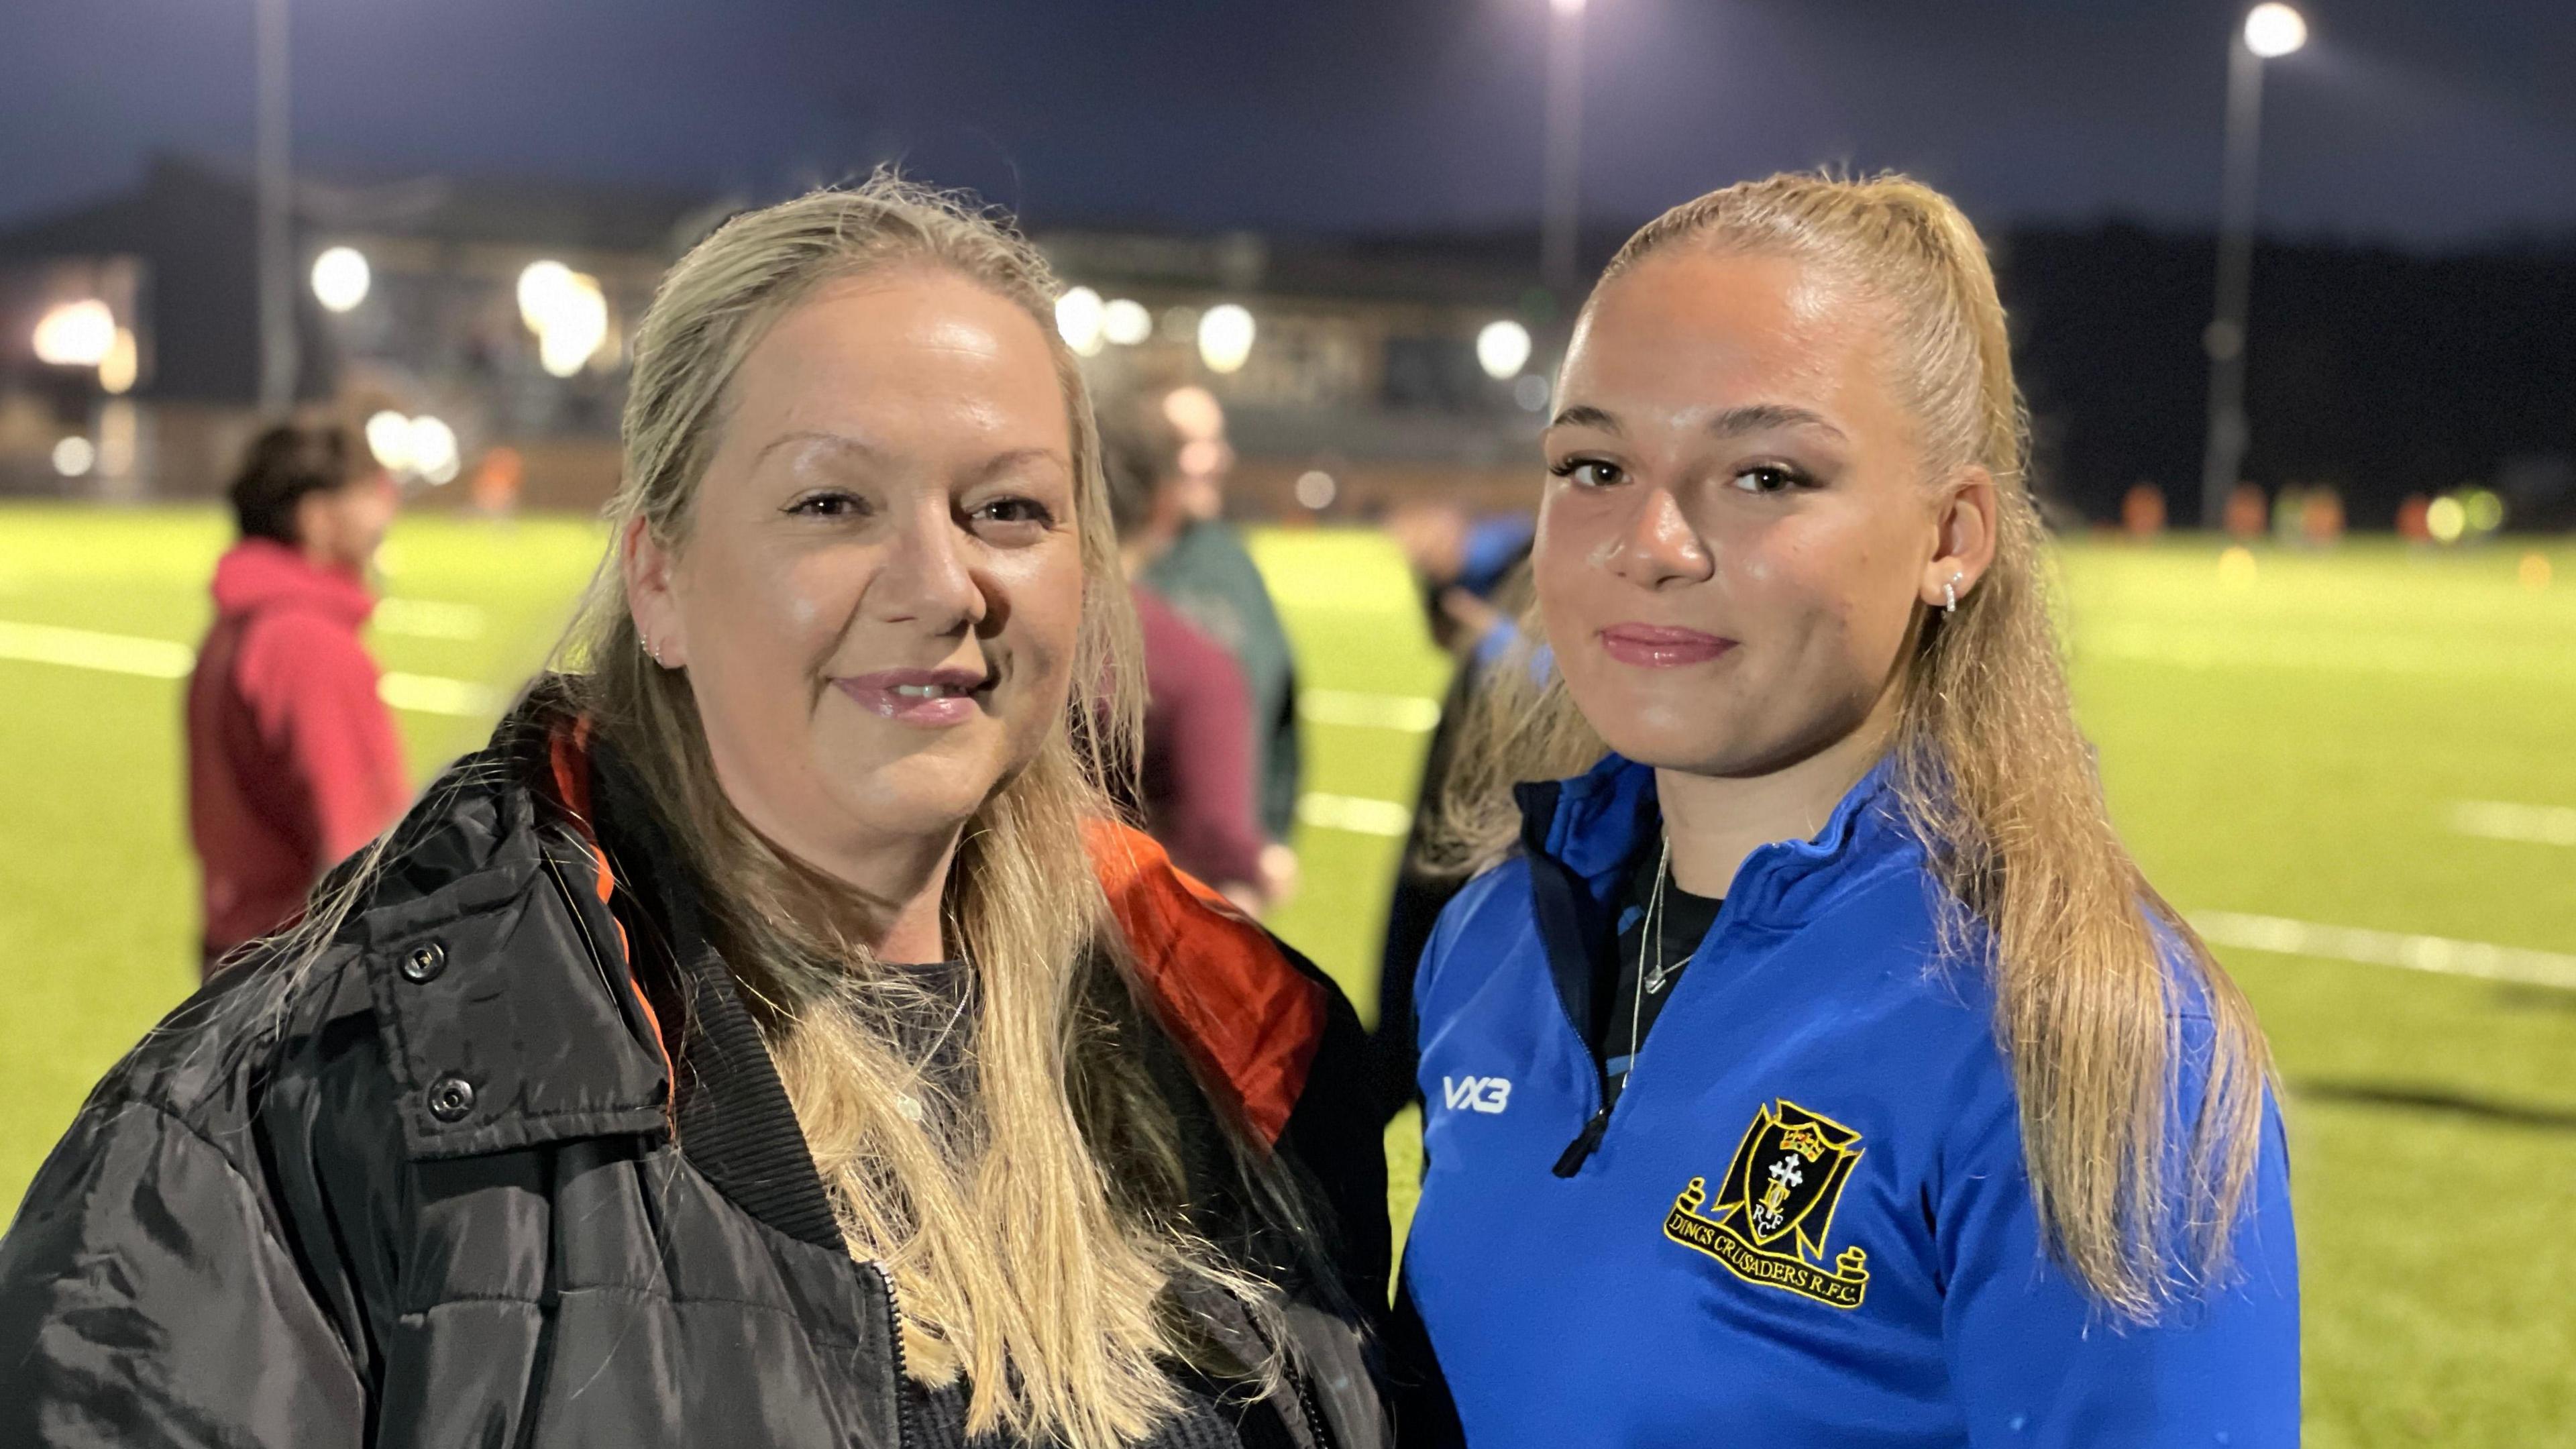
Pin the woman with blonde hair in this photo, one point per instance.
(1813, 1065)
(772, 1037)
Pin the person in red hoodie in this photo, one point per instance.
(292, 758)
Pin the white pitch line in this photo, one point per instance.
(432, 694)
(166, 659)
(88, 649)
(2438, 954)
(1355, 814)
(1410, 713)
(429, 619)
(2505, 820)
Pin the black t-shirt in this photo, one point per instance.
(1621, 1015)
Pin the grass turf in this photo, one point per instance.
(2289, 740)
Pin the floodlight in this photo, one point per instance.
(432, 445)
(389, 438)
(2273, 30)
(1502, 348)
(73, 456)
(1126, 322)
(123, 363)
(76, 334)
(1079, 321)
(341, 278)
(1225, 337)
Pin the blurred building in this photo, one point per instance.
(476, 318)
(1353, 371)
(478, 315)
(129, 338)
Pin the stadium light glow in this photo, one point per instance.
(1502, 349)
(1126, 322)
(73, 456)
(1194, 412)
(1567, 7)
(541, 289)
(121, 366)
(76, 334)
(1080, 319)
(2485, 510)
(389, 438)
(341, 278)
(1225, 337)
(432, 446)
(2447, 519)
(2273, 30)
(1202, 457)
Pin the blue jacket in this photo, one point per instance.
(1807, 1220)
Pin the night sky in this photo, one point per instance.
(2436, 126)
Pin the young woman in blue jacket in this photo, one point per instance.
(1814, 1066)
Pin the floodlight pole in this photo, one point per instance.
(2225, 338)
(1560, 217)
(275, 202)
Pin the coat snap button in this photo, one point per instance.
(451, 1099)
(424, 963)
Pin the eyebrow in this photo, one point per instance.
(839, 442)
(994, 466)
(1750, 418)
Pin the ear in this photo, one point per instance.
(650, 599)
(1964, 538)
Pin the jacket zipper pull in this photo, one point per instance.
(1585, 1143)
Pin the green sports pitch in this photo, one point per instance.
(2356, 770)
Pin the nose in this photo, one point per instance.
(1656, 547)
(928, 577)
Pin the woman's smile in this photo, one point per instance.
(1662, 646)
(926, 698)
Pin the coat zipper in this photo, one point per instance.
(1306, 1405)
(1588, 1141)
(894, 1345)
(904, 1434)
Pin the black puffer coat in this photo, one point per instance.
(435, 1191)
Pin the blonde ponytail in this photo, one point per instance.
(1993, 776)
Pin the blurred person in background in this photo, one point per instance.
(1811, 1064)
(1474, 577)
(771, 1037)
(1209, 576)
(1196, 773)
(293, 762)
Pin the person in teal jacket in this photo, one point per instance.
(1812, 1065)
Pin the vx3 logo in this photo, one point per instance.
(1482, 1094)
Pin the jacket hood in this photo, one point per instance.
(1592, 826)
(261, 573)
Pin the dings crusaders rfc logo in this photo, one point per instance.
(1773, 1209)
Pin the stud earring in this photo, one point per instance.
(1950, 594)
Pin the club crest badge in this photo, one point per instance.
(1773, 1211)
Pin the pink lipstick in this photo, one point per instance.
(1661, 646)
(926, 698)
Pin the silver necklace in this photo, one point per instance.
(1653, 978)
(1658, 976)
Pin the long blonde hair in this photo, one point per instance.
(1991, 772)
(1035, 1231)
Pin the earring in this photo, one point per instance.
(652, 650)
(1950, 594)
